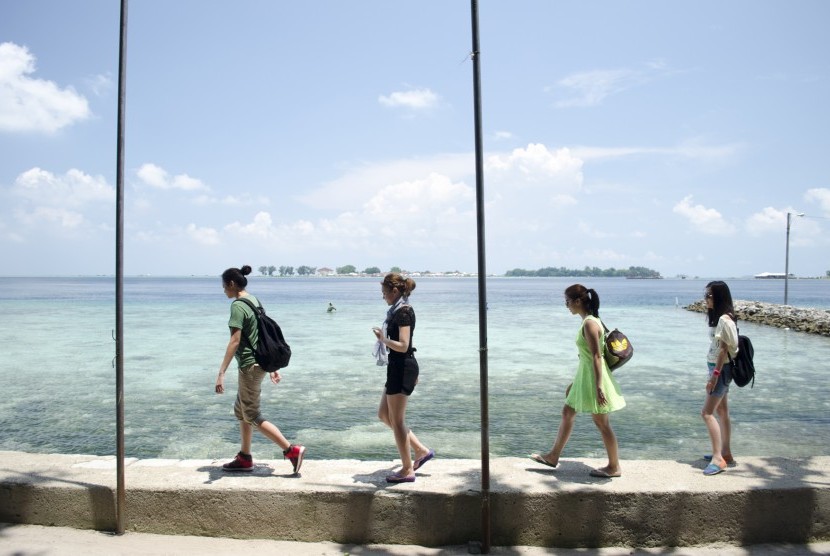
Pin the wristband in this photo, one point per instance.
(716, 373)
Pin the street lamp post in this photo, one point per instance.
(787, 257)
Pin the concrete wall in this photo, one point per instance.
(654, 503)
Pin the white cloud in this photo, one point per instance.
(607, 255)
(820, 196)
(589, 230)
(691, 149)
(557, 172)
(591, 88)
(431, 197)
(261, 228)
(768, 220)
(153, 175)
(536, 164)
(434, 211)
(523, 186)
(101, 84)
(205, 236)
(773, 222)
(28, 104)
(414, 99)
(186, 183)
(59, 201)
(73, 189)
(560, 200)
(502, 135)
(150, 236)
(231, 200)
(705, 220)
(526, 191)
(349, 191)
(159, 178)
(61, 217)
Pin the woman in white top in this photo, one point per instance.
(723, 334)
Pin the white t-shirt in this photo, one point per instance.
(725, 331)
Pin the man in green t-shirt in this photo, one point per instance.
(243, 324)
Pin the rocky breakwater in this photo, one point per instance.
(812, 321)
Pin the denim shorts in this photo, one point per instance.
(725, 378)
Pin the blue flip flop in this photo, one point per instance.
(729, 463)
(416, 465)
(713, 469)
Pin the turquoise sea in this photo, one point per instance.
(59, 378)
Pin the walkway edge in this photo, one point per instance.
(655, 503)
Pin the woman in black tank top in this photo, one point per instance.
(401, 374)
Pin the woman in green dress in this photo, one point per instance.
(593, 389)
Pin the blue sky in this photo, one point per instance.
(671, 135)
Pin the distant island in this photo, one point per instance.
(635, 272)
(632, 272)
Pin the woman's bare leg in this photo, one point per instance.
(396, 405)
(566, 426)
(383, 414)
(725, 429)
(709, 406)
(603, 423)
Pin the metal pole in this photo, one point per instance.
(482, 293)
(787, 261)
(121, 495)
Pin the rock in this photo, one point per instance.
(812, 321)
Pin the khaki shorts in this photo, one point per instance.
(246, 407)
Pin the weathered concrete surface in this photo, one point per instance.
(812, 321)
(19, 540)
(655, 503)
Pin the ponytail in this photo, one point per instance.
(588, 297)
(593, 302)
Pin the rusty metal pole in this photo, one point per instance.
(121, 495)
(482, 292)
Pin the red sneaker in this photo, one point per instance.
(242, 462)
(295, 453)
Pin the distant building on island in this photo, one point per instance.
(772, 276)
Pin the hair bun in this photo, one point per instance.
(245, 270)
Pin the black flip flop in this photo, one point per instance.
(603, 474)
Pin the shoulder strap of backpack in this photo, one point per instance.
(250, 304)
(256, 310)
(737, 346)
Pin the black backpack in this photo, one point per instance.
(743, 368)
(272, 352)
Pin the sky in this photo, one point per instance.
(671, 135)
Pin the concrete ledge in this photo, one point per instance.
(655, 503)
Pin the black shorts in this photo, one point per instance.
(401, 375)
